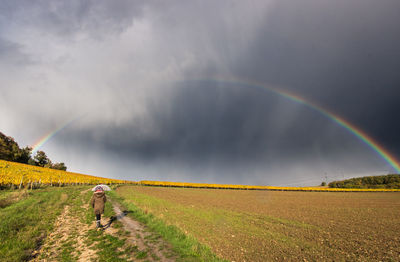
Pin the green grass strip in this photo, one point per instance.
(24, 224)
(108, 248)
(187, 247)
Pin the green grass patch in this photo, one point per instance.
(206, 222)
(107, 246)
(11, 196)
(5, 193)
(141, 255)
(67, 251)
(24, 224)
(187, 247)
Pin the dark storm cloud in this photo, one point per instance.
(343, 55)
(127, 68)
(203, 121)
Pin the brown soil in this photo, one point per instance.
(145, 241)
(267, 225)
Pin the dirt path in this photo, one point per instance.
(67, 241)
(145, 241)
(75, 238)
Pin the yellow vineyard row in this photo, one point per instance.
(17, 174)
(246, 187)
(21, 175)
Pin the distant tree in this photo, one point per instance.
(41, 159)
(59, 166)
(49, 164)
(10, 151)
(386, 181)
(32, 162)
(25, 155)
(323, 184)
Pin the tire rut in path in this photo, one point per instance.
(143, 239)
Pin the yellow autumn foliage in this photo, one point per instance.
(248, 187)
(17, 174)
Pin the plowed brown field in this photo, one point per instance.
(242, 225)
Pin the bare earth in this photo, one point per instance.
(143, 239)
(71, 237)
(246, 225)
(68, 227)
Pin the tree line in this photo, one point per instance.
(10, 151)
(386, 181)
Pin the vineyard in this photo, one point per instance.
(248, 187)
(16, 175)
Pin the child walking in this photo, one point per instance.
(98, 200)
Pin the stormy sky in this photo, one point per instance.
(139, 83)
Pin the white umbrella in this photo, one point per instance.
(104, 187)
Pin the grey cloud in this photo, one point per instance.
(67, 18)
(132, 82)
(224, 125)
(12, 55)
(342, 55)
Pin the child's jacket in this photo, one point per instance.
(98, 200)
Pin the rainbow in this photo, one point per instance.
(365, 138)
(48, 136)
(380, 150)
